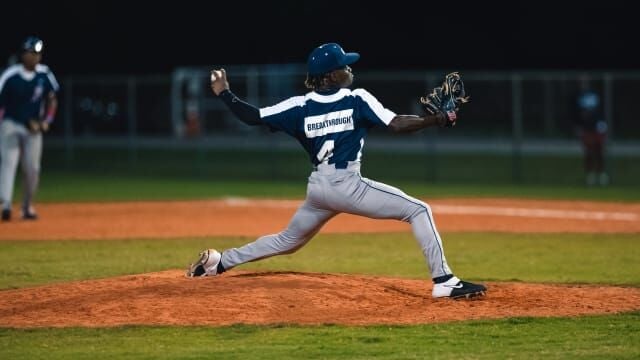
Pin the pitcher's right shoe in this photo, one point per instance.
(455, 288)
(206, 265)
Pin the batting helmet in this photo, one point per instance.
(32, 43)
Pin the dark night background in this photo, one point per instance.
(146, 38)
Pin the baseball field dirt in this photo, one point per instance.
(168, 298)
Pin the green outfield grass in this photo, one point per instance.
(293, 165)
(592, 337)
(112, 175)
(58, 186)
(557, 258)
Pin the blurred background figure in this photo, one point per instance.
(591, 129)
(28, 105)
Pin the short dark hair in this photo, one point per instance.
(314, 82)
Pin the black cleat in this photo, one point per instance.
(455, 288)
(29, 216)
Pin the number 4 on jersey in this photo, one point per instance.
(326, 151)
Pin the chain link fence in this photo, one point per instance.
(512, 114)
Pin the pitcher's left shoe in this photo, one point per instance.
(455, 288)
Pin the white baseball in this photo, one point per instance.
(217, 73)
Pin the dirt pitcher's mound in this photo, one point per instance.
(168, 298)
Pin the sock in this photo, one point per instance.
(220, 269)
(441, 279)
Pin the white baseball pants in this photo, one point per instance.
(331, 191)
(18, 144)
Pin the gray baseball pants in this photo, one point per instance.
(17, 143)
(331, 191)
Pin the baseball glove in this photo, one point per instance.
(446, 99)
(36, 126)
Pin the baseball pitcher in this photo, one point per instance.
(331, 123)
(27, 107)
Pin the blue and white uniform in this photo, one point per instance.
(22, 92)
(23, 95)
(331, 127)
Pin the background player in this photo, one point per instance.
(331, 123)
(591, 129)
(27, 107)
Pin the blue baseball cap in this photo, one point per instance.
(32, 43)
(329, 57)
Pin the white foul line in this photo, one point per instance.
(536, 213)
(244, 202)
(469, 210)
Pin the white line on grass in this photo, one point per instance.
(536, 213)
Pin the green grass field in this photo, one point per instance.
(276, 165)
(555, 258)
(198, 173)
(475, 256)
(77, 186)
(589, 337)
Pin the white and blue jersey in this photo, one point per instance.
(22, 92)
(331, 126)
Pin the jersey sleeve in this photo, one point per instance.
(3, 99)
(53, 82)
(372, 110)
(284, 115)
(3, 85)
